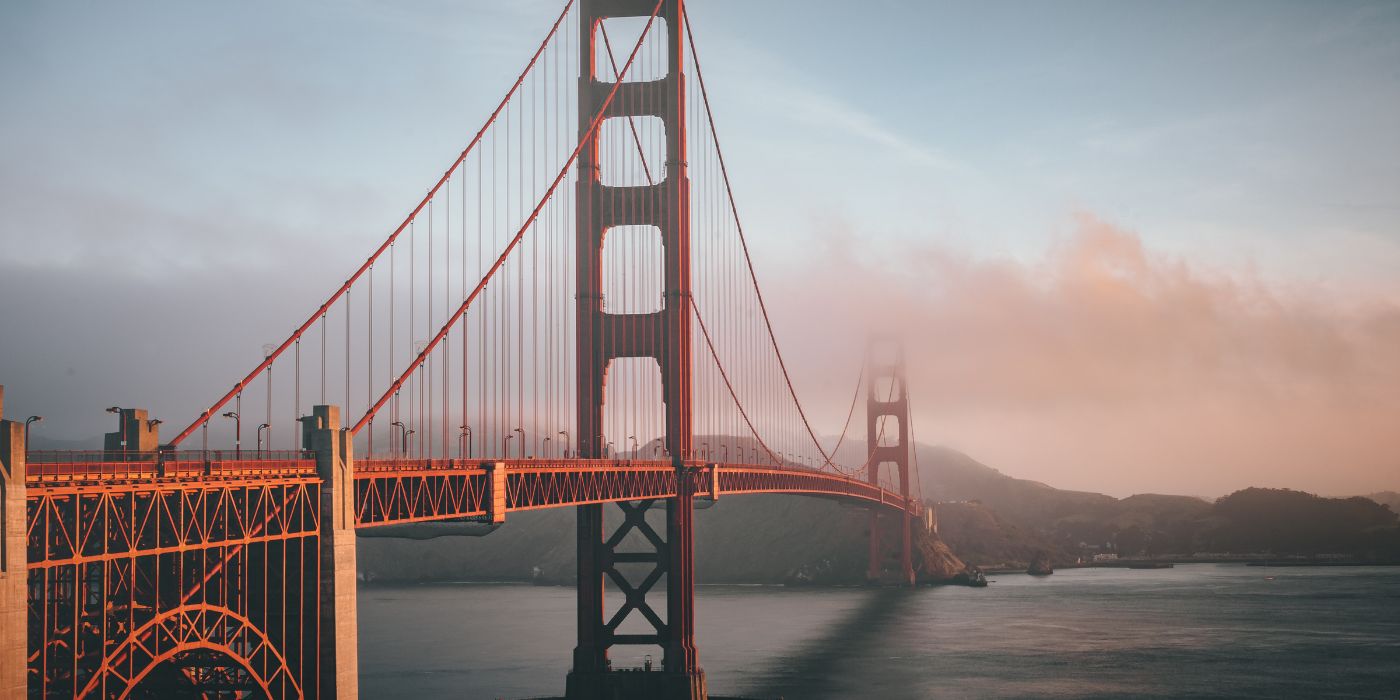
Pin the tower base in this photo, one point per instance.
(636, 684)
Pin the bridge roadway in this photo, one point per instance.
(390, 491)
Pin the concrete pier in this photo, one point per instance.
(340, 642)
(14, 560)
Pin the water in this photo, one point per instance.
(1199, 630)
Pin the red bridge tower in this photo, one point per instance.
(664, 336)
(887, 396)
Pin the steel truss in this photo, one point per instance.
(174, 587)
(391, 492)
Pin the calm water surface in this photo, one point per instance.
(1199, 630)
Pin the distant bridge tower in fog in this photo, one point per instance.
(887, 430)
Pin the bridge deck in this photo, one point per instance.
(395, 491)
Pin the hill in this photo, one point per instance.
(1387, 498)
(740, 539)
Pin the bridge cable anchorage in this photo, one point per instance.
(729, 191)
(519, 235)
(320, 312)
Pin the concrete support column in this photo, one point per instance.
(14, 561)
(340, 642)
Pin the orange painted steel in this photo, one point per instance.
(156, 586)
(129, 574)
(398, 491)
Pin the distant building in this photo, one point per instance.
(1106, 557)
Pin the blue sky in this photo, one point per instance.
(1248, 133)
(162, 156)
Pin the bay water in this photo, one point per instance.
(1202, 630)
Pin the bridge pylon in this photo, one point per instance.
(14, 562)
(887, 397)
(664, 336)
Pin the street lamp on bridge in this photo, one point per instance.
(636, 447)
(27, 422)
(565, 433)
(465, 436)
(406, 432)
(261, 428)
(522, 441)
(237, 433)
(398, 424)
(505, 445)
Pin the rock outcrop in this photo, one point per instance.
(1040, 565)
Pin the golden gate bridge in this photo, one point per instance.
(524, 339)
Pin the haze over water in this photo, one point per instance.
(1197, 630)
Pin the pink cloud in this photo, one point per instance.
(1108, 366)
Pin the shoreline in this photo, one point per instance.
(1169, 562)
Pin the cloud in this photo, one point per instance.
(1105, 365)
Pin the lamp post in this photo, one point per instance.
(237, 433)
(565, 433)
(398, 424)
(705, 451)
(261, 428)
(505, 445)
(522, 441)
(406, 432)
(27, 422)
(466, 435)
(724, 450)
(636, 446)
(607, 449)
(544, 449)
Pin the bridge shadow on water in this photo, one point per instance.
(813, 669)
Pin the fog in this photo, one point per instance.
(1107, 366)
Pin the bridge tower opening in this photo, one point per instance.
(887, 434)
(662, 335)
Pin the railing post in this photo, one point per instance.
(339, 641)
(14, 560)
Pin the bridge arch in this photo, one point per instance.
(198, 627)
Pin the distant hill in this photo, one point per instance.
(740, 539)
(1387, 498)
(41, 442)
(991, 519)
(1294, 522)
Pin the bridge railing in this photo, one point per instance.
(66, 466)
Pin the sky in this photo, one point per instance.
(1135, 247)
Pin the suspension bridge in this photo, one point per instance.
(569, 318)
